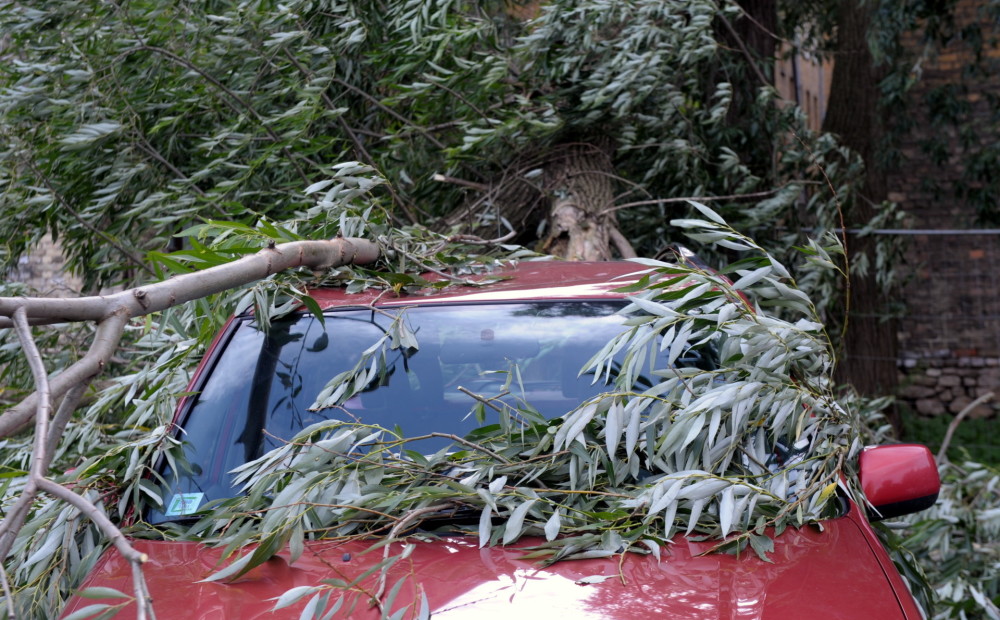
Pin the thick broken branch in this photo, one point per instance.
(112, 312)
(317, 255)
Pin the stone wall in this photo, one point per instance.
(45, 273)
(947, 386)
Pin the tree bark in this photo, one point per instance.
(571, 194)
(868, 359)
(580, 182)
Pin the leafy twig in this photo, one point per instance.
(486, 401)
(464, 442)
(659, 201)
(394, 533)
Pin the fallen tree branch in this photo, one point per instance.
(317, 255)
(112, 313)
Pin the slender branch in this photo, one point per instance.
(426, 267)
(942, 454)
(621, 243)
(8, 595)
(401, 525)
(134, 557)
(486, 401)
(16, 516)
(144, 602)
(464, 442)
(475, 240)
(657, 201)
(44, 408)
(399, 117)
(462, 182)
(746, 52)
(457, 95)
(354, 138)
(132, 256)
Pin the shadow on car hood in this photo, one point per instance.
(814, 574)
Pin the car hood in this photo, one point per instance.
(833, 573)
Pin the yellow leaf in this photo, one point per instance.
(827, 491)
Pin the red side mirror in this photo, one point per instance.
(899, 479)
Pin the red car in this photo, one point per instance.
(254, 390)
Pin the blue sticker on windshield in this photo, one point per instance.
(184, 504)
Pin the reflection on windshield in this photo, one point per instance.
(259, 393)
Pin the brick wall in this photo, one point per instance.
(950, 336)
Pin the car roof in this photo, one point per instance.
(521, 281)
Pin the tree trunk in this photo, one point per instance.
(580, 181)
(570, 199)
(868, 360)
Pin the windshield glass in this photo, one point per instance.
(260, 391)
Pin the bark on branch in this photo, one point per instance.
(38, 482)
(112, 312)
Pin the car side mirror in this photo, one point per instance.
(898, 480)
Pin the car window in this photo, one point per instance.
(260, 390)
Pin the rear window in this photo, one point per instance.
(261, 388)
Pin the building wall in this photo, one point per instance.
(804, 78)
(950, 336)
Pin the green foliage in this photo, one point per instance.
(957, 542)
(182, 113)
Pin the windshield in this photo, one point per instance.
(260, 391)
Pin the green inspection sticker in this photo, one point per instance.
(184, 504)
